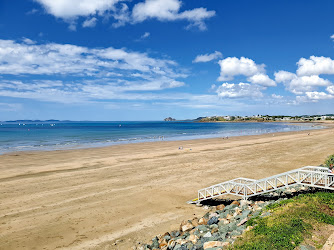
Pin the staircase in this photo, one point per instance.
(308, 176)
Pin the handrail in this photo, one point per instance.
(308, 176)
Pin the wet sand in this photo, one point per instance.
(89, 198)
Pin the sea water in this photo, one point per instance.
(19, 136)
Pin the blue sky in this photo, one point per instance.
(150, 59)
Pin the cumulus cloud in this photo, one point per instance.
(169, 10)
(162, 10)
(262, 79)
(208, 57)
(315, 66)
(318, 96)
(232, 66)
(68, 10)
(330, 89)
(91, 22)
(231, 90)
(300, 84)
(332, 36)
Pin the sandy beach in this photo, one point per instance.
(91, 198)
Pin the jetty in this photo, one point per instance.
(310, 176)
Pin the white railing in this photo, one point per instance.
(307, 176)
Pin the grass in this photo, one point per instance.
(289, 223)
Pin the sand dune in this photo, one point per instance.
(90, 198)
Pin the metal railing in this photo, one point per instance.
(308, 176)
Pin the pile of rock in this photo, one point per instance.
(218, 228)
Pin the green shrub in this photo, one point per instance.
(290, 221)
(330, 161)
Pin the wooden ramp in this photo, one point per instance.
(308, 176)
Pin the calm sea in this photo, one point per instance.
(71, 135)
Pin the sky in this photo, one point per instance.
(113, 60)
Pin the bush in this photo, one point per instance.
(330, 161)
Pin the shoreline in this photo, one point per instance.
(89, 146)
(91, 198)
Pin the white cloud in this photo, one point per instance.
(208, 57)
(69, 10)
(315, 66)
(95, 73)
(330, 89)
(284, 76)
(169, 10)
(318, 96)
(332, 36)
(262, 79)
(65, 59)
(31, 12)
(143, 36)
(28, 41)
(300, 84)
(276, 96)
(162, 10)
(232, 66)
(231, 90)
(91, 22)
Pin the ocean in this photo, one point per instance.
(27, 136)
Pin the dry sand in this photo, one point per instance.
(90, 198)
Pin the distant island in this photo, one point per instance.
(168, 119)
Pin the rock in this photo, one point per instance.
(155, 242)
(329, 245)
(187, 227)
(223, 222)
(206, 207)
(207, 235)
(194, 222)
(167, 237)
(202, 228)
(220, 207)
(213, 220)
(199, 205)
(175, 234)
(163, 243)
(223, 214)
(171, 244)
(202, 221)
(232, 226)
(212, 244)
(244, 203)
(235, 203)
(214, 230)
(213, 215)
(249, 228)
(229, 216)
(242, 222)
(230, 207)
(181, 241)
(234, 233)
(246, 212)
(308, 247)
(193, 238)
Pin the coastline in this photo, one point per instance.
(107, 142)
(90, 198)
